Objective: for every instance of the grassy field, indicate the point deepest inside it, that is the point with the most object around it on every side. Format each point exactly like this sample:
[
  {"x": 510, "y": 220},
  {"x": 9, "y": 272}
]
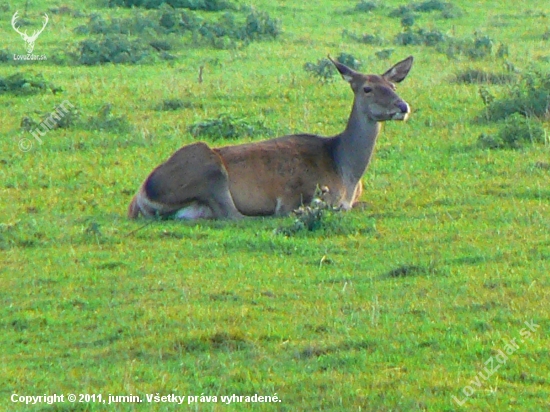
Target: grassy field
[{"x": 416, "y": 301}]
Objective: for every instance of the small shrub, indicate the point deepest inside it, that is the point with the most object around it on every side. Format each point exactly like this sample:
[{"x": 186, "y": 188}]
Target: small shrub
[
  {"x": 259, "y": 25},
  {"x": 486, "y": 96},
  {"x": 432, "y": 5},
  {"x": 5, "y": 56},
  {"x": 113, "y": 49},
  {"x": 384, "y": 54},
  {"x": 312, "y": 217},
  {"x": 207, "y": 5},
  {"x": 420, "y": 37},
  {"x": 483, "y": 46},
  {"x": 475, "y": 49},
  {"x": 106, "y": 121},
  {"x": 529, "y": 96},
  {"x": 407, "y": 20},
  {"x": 373, "y": 39},
  {"x": 452, "y": 13},
  {"x": 365, "y": 6},
  {"x": 228, "y": 33},
  {"x": 503, "y": 51},
  {"x": 447, "y": 10},
  {"x": 174, "y": 104},
  {"x": 24, "y": 84},
  {"x": 137, "y": 24},
  {"x": 230, "y": 30},
  {"x": 401, "y": 11},
  {"x": 474, "y": 76},
  {"x": 226, "y": 126},
  {"x": 411, "y": 270},
  {"x": 349, "y": 60},
  {"x": 520, "y": 130},
  {"x": 323, "y": 69},
  {"x": 71, "y": 117},
  {"x": 516, "y": 132}
]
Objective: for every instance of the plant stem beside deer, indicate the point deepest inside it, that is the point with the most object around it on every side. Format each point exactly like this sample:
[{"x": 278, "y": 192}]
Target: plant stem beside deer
[{"x": 276, "y": 176}]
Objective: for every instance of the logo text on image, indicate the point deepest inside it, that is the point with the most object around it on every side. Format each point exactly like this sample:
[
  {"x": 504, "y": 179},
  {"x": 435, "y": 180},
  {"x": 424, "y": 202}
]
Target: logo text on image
[{"x": 30, "y": 40}]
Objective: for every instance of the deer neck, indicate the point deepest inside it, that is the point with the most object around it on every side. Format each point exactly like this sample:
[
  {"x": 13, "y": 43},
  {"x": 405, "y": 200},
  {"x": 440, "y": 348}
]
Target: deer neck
[{"x": 355, "y": 145}]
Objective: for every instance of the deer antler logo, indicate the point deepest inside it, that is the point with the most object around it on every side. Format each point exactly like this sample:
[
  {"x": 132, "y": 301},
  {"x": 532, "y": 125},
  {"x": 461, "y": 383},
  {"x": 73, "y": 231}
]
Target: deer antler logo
[{"x": 29, "y": 39}]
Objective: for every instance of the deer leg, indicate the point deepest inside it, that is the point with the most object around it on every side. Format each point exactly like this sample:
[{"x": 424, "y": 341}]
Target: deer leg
[{"x": 193, "y": 183}]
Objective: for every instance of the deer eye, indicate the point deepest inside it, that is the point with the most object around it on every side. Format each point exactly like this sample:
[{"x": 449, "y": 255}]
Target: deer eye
[{"x": 367, "y": 89}]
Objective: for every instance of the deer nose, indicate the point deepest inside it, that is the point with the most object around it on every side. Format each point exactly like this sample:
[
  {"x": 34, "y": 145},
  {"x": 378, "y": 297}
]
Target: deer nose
[{"x": 404, "y": 107}]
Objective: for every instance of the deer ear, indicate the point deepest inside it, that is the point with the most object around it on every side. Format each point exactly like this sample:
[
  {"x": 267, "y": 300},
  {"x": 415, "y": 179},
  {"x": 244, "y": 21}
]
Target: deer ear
[
  {"x": 347, "y": 73},
  {"x": 398, "y": 72}
]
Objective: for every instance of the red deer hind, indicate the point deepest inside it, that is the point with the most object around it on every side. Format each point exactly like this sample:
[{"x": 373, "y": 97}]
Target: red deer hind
[{"x": 276, "y": 176}]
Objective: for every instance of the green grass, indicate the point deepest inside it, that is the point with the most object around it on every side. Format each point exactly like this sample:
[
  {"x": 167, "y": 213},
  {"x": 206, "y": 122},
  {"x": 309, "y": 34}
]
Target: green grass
[{"x": 395, "y": 309}]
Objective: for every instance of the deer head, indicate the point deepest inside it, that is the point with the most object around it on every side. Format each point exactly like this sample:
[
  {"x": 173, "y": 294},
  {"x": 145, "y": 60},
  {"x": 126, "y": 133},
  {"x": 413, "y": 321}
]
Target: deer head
[
  {"x": 32, "y": 38},
  {"x": 375, "y": 96}
]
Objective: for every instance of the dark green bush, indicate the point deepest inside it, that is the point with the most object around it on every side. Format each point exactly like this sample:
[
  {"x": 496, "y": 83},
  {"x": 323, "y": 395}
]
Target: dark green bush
[
  {"x": 175, "y": 104},
  {"x": 73, "y": 118},
  {"x": 373, "y": 39},
  {"x": 349, "y": 60},
  {"x": 324, "y": 69},
  {"x": 207, "y": 5},
  {"x": 431, "y": 5},
  {"x": 24, "y": 84},
  {"x": 365, "y": 6},
  {"x": 529, "y": 96},
  {"x": 113, "y": 49},
  {"x": 474, "y": 76},
  {"x": 447, "y": 10},
  {"x": 313, "y": 217},
  {"x": 229, "y": 31},
  {"x": 106, "y": 121},
  {"x": 401, "y": 11},
  {"x": 516, "y": 132},
  {"x": 384, "y": 54},
  {"x": 226, "y": 126},
  {"x": 420, "y": 37},
  {"x": 137, "y": 24}
]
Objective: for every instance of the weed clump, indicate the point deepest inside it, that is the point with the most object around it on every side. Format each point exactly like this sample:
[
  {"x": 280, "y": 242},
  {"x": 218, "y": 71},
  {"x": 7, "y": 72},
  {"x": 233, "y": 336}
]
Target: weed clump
[
  {"x": 529, "y": 96},
  {"x": 118, "y": 43},
  {"x": 206, "y": 5},
  {"x": 447, "y": 10},
  {"x": 325, "y": 71},
  {"x": 72, "y": 117},
  {"x": 411, "y": 270},
  {"x": 24, "y": 84},
  {"x": 420, "y": 37},
  {"x": 173, "y": 105},
  {"x": 474, "y": 76},
  {"x": 366, "y": 38},
  {"x": 526, "y": 102},
  {"x": 226, "y": 126},
  {"x": 228, "y": 32},
  {"x": 384, "y": 54},
  {"x": 516, "y": 132},
  {"x": 349, "y": 60},
  {"x": 476, "y": 48},
  {"x": 365, "y": 6},
  {"x": 312, "y": 217},
  {"x": 112, "y": 49},
  {"x": 106, "y": 121}
]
